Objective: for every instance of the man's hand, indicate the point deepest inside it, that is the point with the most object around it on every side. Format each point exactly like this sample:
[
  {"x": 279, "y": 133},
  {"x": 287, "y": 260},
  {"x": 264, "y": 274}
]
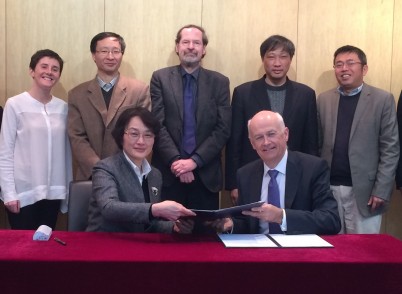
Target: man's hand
[
  {"x": 183, "y": 226},
  {"x": 187, "y": 177},
  {"x": 221, "y": 225},
  {"x": 375, "y": 202},
  {"x": 266, "y": 212},
  {"x": 234, "y": 195},
  {"x": 182, "y": 166}
]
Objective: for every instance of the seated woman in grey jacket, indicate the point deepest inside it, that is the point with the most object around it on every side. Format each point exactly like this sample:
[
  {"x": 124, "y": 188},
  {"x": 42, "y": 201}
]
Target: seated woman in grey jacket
[{"x": 126, "y": 187}]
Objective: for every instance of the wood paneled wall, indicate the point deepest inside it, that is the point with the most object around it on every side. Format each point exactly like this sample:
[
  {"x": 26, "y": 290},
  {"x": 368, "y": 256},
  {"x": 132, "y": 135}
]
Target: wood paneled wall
[{"x": 235, "y": 28}]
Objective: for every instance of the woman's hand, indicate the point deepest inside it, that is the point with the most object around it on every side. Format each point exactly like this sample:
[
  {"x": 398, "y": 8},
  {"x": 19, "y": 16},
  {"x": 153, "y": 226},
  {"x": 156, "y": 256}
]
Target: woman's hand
[{"x": 170, "y": 210}]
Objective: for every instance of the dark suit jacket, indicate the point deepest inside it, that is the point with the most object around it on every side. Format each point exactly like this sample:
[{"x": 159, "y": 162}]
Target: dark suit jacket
[
  {"x": 90, "y": 123},
  {"x": 299, "y": 114},
  {"x": 213, "y": 119},
  {"x": 309, "y": 204},
  {"x": 399, "y": 169},
  {"x": 117, "y": 203}
]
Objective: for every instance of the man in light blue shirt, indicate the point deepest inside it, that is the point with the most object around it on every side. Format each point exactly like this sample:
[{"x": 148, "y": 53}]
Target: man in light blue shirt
[{"x": 306, "y": 204}]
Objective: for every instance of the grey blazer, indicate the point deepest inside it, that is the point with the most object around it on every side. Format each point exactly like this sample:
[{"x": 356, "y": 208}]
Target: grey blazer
[
  {"x": 117, "y": 203},
  {"x": 373, "y": 142},
  {"x": 213, "y": 119}
]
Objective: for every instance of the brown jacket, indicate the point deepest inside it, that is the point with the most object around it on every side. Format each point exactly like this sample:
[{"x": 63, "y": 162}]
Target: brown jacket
[{"x": 90, "y": 124}]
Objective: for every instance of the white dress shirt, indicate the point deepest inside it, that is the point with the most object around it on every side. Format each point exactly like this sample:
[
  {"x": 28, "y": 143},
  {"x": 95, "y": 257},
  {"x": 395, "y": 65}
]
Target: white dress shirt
[{"x": 281, "y": 180}]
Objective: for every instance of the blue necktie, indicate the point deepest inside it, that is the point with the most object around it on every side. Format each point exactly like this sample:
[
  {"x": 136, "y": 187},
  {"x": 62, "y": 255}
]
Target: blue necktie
[
  {"x": 188, "y": 142},
  {"x": 273, "y": 198}
]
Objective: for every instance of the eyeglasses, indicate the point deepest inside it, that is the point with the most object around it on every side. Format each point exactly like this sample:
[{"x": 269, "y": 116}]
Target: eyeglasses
[
  {"x": 106, "y": 52},
  {"x": 135, "y": 136},
  {"x": 348, "y": 63}
]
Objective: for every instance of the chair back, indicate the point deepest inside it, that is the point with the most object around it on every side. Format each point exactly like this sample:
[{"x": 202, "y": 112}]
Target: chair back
[{"x": 79, "y": 195}]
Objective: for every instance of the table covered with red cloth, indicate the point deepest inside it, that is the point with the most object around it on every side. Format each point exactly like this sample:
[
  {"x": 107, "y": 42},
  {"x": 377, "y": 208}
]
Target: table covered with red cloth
[{"x": 159, "y": 263}]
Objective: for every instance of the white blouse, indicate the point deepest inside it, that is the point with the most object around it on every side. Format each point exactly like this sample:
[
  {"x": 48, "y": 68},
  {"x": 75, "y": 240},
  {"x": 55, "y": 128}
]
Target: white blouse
[{"x": 35, "y": 154}]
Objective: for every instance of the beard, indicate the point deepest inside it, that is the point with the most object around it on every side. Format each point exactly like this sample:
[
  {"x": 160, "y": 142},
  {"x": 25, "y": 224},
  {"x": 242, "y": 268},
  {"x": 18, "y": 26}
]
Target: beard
[{"x": 190, "y": 60}]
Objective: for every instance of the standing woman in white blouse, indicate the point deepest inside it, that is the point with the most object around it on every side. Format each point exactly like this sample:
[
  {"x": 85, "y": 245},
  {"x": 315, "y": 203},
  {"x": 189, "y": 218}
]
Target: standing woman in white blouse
[{"x": 35, "y": 155}]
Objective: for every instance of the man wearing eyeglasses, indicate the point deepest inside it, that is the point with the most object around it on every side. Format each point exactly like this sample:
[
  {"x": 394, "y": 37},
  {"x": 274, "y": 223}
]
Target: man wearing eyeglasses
[
  {"x": 94, "y": 106},
  {"x": 360, "y": 142}
]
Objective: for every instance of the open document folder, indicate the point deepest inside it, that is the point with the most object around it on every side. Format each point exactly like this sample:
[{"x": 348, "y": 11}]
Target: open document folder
[
  {"x": 224, "y": 212},
  {"x": 279, "y": 240}
]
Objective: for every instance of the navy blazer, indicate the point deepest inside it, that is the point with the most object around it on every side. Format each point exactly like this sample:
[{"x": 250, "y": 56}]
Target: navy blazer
[
  {"x": 118, "y": 203},
  {"x": 299, "y": 115},
  {"x": 309, "y": 203},
  {"x": 213, "y": 119}
]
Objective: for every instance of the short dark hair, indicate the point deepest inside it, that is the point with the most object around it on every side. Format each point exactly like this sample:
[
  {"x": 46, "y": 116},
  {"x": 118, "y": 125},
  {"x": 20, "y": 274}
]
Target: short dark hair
[
  {"x": 124, "y": 119},
  {"x": 351, "y": 49},
  {"x": 45, "y": 53},
  {"x": 277, "y": 41},
  {"x": 189, "y": 26},
  {"x": 105, "y": 35}
]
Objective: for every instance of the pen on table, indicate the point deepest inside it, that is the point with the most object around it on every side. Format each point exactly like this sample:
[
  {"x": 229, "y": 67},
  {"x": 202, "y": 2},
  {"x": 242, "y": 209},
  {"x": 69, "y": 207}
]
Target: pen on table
[{"x": 60, "y": 241}]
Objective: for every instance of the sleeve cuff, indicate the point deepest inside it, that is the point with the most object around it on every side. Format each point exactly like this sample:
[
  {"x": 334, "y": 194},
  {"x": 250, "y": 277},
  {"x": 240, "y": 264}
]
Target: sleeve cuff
[
  {"x": 150, "y": 215},
  {"x": 197, "y": 159},
  {"x": 284, "y": 225}
]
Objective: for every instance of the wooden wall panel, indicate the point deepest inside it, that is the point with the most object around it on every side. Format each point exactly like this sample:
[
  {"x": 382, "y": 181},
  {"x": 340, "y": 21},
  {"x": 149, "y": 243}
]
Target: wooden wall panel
[
  {"x": 63, "y": 26},
  {"x": 396, "y": 81},
  {"x": 236, "y": 29},
  {"x": 324, "y": 26},
  {"x": 149, "y": 28},
  {"x": 393, "y": 218}
]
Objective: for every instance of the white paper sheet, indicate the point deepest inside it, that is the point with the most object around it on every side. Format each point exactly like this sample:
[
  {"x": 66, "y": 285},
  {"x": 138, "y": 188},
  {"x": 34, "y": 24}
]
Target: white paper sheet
[
  {"x": 308, "y": 240},
  {"x": 285, "y": 241},
  {"x": 246, "y": 240}
]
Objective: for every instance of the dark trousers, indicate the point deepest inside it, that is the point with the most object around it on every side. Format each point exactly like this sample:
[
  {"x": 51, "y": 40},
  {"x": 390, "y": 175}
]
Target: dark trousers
[
  {"x": 193, "y": 196},
  {"x": 30, "y": 217}
]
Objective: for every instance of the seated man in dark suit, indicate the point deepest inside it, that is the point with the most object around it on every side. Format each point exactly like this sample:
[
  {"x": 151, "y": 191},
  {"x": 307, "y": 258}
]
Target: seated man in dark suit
[{"x": 304, "y": 203}]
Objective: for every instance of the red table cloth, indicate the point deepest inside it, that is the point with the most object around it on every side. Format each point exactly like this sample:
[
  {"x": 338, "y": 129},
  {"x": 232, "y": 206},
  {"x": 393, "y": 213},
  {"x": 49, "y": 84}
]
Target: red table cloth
[{"x": 158, "y": 263}]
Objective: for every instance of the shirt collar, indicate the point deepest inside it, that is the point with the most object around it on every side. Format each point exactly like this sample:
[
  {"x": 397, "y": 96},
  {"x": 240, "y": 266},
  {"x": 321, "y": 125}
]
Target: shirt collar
[
  {"x": 277, "y": 88},
  {"x": 107, "y": 86},
  {"x": 146, "y": 167},
  {"x": 280, "y": 167},
  {"x": 351, "y": 93},
  {"x": 195, "y": 73}
]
